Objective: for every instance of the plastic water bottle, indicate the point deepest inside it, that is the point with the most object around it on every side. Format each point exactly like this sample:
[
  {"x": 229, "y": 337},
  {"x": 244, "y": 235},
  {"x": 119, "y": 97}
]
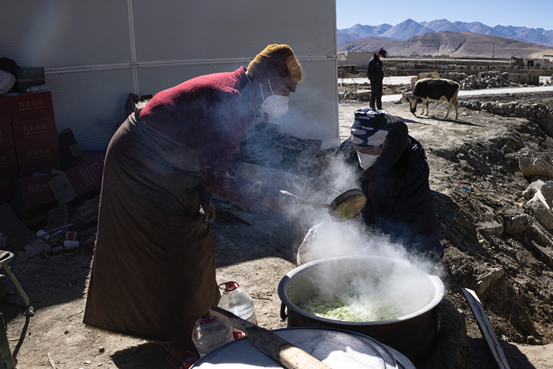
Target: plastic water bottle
[
  {"x": 239, "y": 303},
  {"x": 38, "y": 89},
  {"x": 210, "y": 333}
]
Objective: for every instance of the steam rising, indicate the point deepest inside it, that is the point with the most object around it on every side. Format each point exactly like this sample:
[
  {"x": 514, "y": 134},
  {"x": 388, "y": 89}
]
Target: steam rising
[
  {"x": 398, "y": 290},
  {"x": 328, "y": 238},
  {"x": 387, "y": 288}
]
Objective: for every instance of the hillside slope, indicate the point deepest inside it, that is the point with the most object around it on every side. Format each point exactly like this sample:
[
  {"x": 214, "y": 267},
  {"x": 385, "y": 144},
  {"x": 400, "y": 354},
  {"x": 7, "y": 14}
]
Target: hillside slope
[{"x": 453, "y": 44}]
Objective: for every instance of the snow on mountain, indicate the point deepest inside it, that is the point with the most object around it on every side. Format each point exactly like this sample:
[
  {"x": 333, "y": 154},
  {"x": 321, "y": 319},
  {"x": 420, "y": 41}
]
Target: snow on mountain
[
  {"x": 360, "y": 31},
  {"x": 525, "y": 34},
  {"x": 506, "y": 31},
  {"x": 549, "y": 36},
  {"x": 440, "y": 25},
  {"x": 478, "y": 27},
  {"x": 405, "y": 30}
]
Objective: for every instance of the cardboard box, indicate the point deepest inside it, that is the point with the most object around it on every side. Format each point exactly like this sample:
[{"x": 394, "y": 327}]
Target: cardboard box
[
  {"x": 39, "y": 155},
  {"x": 7, "y": 185},
  {"x": 5, "y": 115},
  {"x": 31, "y": 193},
  {"x": 6, "y": 135},
  {"x": 31, "y": 106},
  {"x": 28, "y": 77},
  {"x": 77, "y": 181},
  {"x": 34, "y": 190},
  {"x": 68, "y": 145},
  {"x": 35, "y": 171},
  {"x": 8, "y": 160},
  {"x": 35, "y": 130}
]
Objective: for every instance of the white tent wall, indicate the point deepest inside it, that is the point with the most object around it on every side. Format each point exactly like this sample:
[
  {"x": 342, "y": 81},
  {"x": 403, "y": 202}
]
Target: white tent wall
[{"x": 96, "y": 53}]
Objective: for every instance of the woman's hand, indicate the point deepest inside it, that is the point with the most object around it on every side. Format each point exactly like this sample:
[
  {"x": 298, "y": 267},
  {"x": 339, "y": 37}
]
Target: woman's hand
[{"x": 209, "y": 212}]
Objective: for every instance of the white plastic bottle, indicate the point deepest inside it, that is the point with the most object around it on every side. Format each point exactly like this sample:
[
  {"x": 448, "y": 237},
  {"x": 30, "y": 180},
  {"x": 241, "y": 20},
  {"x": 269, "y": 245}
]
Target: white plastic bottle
[
  {"x": 38, "y": 89},
  {"x": 210, "y": 333},
  {"x": 239, "y": 303}
]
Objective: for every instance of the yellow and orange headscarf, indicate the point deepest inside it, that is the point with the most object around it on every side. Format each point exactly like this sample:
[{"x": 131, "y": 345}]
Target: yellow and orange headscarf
[{"x": 275, "y": 60}]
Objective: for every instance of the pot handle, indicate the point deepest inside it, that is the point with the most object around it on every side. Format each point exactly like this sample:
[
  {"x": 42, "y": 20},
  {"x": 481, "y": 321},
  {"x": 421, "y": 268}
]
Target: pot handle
[{"x": 283, "y": 313}]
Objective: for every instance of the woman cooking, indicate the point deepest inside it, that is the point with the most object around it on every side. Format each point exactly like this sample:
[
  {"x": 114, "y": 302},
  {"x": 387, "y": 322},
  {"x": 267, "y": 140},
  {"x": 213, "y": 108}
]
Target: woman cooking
[
  {"x": 153, "y": 272},
  {"x": 393, "y": 172}
]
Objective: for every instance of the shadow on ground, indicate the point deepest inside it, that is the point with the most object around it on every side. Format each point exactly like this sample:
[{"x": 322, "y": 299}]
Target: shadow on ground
[
  {"x": 49, "y": 281},
  {"x": 455, "y": 121},
  {"x": 145, "y": 356},
  {"x": 483, "y": 359}
]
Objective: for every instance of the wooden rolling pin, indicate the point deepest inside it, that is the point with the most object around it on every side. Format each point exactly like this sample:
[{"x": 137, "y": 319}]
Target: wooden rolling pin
[{"x": 280, "y": 350}]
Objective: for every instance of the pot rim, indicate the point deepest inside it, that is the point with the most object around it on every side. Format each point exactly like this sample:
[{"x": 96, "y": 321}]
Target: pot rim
[{"x": 436, "y": 281}]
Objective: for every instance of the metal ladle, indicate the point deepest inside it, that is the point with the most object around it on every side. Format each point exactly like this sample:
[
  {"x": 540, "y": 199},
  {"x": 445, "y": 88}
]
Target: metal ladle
[{"x": 345, "y": 206}]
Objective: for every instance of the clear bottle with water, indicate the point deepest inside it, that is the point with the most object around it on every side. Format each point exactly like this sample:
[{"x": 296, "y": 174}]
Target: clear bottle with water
[
  {"x": 210, "y": 333},
  {"x": 239, "y": 303}
]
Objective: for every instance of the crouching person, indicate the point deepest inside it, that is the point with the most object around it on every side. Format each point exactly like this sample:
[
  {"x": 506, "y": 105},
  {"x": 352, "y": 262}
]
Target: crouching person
[{"x": 393, "y": 174}]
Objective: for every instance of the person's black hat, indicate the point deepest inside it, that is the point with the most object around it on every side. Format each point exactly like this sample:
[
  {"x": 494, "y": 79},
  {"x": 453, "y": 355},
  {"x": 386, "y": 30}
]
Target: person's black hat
[{"x": 383, "y": 52}]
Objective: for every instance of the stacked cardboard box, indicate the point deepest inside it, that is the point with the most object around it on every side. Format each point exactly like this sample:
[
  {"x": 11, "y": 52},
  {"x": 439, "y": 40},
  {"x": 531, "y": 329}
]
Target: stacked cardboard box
[
  {"x": 78, "y": 180},
  {"x": 34, "y": 132},
  {"x": 35, "y": 147},
  {"x": 31, "y": 193},
  {"x": 8, "y": 158}
]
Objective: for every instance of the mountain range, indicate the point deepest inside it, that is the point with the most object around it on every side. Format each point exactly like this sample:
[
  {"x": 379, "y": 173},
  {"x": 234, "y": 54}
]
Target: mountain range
[
  {"x": 409, "y": 29},
  {"x": 451, "y": 44}
]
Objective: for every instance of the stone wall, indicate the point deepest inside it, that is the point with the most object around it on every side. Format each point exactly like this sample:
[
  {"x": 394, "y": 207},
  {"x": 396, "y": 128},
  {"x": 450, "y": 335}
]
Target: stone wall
[
  {"x": 538, "y": 113},
  {"x": 469, "y": 67},
  {"x": 412, "y": 67},
  {"x": 496, "y": 79}
]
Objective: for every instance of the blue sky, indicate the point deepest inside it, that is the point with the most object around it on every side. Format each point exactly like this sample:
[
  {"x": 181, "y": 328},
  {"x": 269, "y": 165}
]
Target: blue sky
[{"x": 528, "y": 13}]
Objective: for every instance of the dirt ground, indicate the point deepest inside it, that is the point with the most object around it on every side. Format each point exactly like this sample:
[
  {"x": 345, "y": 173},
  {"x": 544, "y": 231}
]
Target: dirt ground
[{"x": 480, "y": 188}]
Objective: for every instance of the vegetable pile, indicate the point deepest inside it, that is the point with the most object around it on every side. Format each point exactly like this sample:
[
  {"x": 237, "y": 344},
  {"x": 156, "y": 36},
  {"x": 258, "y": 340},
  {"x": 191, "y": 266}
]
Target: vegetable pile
[{"x": 350, "y": 308}]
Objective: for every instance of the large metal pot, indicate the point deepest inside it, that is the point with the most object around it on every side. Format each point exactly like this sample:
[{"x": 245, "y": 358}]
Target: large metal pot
[{"x": 418, "y": 294}]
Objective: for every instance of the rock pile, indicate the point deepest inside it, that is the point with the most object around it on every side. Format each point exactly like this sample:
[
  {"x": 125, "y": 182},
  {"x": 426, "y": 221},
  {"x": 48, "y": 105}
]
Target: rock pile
[
  {"x": 349, "y": 95},
  {"x": 455, "y": 76},
  {"x": 534, "y": 215},
  {"x": 532, "y": 112},
  {"x": 362, "y": 91},
  {"x": 533, "y": 211},
  {"x": 499, "y": 221},
  {"x": 483, "y": 80},
  {"x": 496, "y": 79}
]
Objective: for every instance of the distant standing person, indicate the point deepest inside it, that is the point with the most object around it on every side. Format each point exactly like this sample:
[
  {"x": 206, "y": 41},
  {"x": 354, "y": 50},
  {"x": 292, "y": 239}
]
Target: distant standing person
[{"x": 376, "y": 75}]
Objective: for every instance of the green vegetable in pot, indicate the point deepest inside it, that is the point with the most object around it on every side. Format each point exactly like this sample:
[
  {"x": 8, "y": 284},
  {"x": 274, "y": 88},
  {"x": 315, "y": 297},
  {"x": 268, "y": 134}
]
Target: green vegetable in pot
[{"x": 349, "y": 308}]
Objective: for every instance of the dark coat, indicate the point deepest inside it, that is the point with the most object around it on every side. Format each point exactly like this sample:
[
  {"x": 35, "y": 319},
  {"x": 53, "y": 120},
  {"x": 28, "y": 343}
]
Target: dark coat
[
  {"x": 374, "y": 69},
  {"x": 153, "y": 272},
  {"x": 398, "y": 192}
]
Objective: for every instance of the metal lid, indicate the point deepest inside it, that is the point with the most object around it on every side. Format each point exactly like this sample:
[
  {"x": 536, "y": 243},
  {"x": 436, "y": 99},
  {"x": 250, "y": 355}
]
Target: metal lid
[{"x": 335, "y": 347}]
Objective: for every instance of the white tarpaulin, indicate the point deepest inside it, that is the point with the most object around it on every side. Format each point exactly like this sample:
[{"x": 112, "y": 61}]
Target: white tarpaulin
[{"x": 95, "y": 53}]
